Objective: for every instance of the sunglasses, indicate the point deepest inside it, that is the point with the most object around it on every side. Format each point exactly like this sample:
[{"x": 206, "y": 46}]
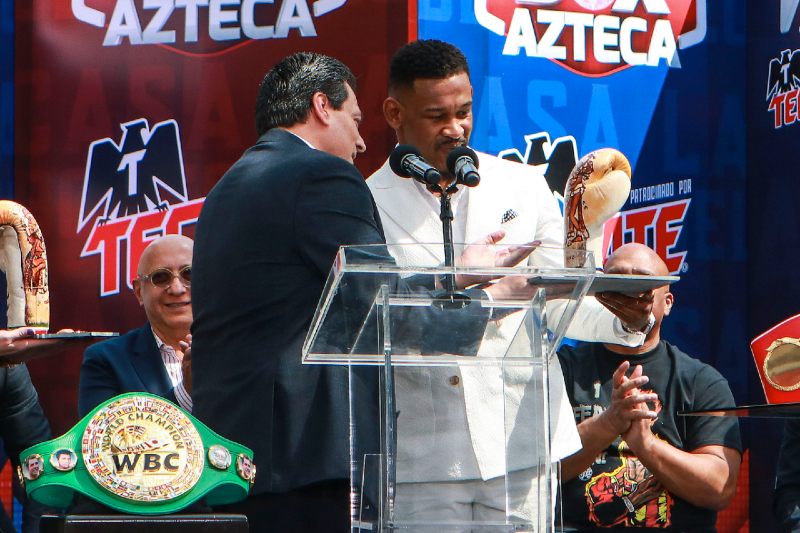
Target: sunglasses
[{"x": 162, "y": 277}]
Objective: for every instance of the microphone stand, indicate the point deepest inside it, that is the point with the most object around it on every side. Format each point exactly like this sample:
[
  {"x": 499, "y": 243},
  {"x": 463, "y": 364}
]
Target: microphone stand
[{"x": 452, "y": 298}]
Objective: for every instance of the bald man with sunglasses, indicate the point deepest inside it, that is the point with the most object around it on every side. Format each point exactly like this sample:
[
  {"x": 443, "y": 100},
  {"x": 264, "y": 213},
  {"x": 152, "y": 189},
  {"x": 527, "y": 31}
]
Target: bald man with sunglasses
[{"x": 152, "y": 358}]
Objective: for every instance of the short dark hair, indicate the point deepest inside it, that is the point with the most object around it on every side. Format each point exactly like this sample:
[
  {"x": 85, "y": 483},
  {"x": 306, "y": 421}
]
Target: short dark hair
[
  {"x": 425, "y": 59},
  {"x": 284, "y": 97}
]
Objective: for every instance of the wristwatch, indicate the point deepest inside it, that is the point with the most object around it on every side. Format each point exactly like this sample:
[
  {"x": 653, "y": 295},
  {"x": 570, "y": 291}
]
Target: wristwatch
[
  {"x": 141, "y": 454},
  {"x": 651, "y": 321}
]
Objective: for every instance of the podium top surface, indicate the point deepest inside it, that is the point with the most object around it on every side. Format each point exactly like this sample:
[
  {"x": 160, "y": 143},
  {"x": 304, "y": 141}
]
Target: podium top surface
[
  {"x": 410, "y": 283},
  {"x": 398, "y": 300},
  {"x": 601, "y": 282},
  {"x": 629, "y": 283}
]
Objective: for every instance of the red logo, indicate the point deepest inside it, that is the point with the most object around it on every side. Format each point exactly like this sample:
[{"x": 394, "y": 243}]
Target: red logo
[
  {"x": 134, "y": 191},
  {"x": 133, "y": 234},
  {"x": 657, "y": 226},
  {"x": 783, "y": 87},
  {"x": 596, "y": 37}
]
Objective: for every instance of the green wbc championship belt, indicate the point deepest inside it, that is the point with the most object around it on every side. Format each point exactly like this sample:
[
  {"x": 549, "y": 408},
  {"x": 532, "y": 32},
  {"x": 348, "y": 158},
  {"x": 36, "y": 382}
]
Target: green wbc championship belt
[{"x": 138, "y": 453}]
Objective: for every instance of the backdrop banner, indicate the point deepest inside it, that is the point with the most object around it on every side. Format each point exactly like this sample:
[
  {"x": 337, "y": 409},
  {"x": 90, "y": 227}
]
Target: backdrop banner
[{"x": 127, "y": 115}]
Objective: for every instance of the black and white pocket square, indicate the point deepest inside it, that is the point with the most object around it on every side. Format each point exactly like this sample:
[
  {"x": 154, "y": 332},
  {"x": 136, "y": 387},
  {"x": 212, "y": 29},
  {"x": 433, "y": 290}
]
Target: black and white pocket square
[{"x": 508, "y": 216}]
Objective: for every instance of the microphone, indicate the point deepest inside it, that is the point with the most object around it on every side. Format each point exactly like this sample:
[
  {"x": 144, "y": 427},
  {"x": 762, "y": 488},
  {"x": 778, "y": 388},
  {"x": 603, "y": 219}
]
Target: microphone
[
  {"x": 463, "y": 164},
  {"x": 407, "y": 162}
]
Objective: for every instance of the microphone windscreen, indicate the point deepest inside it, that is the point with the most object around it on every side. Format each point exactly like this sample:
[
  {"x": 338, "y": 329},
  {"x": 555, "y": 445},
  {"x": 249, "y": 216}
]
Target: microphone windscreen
[
  {"x": 458, "y": 152},
  {"x": 396, "y": 158}
]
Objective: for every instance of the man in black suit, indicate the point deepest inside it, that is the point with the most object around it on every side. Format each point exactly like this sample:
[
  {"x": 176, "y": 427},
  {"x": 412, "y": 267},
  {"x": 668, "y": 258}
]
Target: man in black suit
[
  {"x": 150, "y": 358},
  {"x": 264, "y": 244},
  {"x": 265, "y": 241}
]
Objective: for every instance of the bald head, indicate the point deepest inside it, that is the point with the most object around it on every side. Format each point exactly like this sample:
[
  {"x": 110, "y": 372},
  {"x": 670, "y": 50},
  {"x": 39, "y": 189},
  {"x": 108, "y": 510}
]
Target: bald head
[
  {"x": 635, "y": 258},
  {"x": 169, "y": 245},
  {"x": 167, "y": 304}
]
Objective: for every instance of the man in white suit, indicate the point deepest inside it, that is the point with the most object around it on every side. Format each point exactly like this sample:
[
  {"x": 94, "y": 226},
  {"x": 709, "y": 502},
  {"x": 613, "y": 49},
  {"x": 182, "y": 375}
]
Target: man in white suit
[{"x": 452, "y": 435}]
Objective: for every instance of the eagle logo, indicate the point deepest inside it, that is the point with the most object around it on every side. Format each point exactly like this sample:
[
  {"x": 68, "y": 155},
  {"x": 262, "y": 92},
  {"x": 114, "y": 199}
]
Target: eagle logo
[
  {"x": 784, "y": 73},
  {"x": 144, "y": 172},
  {"x": 556, "y": 158}
]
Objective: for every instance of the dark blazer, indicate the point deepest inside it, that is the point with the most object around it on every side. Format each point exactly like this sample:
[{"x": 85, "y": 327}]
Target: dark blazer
[
  {"x": 264, "y": 244},
  {"x": 129, "y": 363}
]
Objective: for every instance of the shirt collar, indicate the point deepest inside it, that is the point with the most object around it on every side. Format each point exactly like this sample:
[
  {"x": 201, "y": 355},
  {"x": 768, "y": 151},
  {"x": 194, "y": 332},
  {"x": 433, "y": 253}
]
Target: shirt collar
[
  {"x": 160, "y": 343},
  {"x": 302, "y": 139}
]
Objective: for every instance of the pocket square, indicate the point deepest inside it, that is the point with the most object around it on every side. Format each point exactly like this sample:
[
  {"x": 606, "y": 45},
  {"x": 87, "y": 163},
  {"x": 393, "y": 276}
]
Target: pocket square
[{"x": 508, "y": 216}]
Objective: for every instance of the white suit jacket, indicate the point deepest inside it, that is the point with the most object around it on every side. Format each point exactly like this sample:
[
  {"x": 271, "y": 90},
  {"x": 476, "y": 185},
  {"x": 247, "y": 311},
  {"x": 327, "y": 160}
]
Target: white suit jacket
[{"x": 439, "y": 407}]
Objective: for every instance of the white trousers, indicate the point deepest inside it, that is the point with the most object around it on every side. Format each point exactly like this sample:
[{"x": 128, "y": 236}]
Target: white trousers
[{"x": 465, "y": 502}]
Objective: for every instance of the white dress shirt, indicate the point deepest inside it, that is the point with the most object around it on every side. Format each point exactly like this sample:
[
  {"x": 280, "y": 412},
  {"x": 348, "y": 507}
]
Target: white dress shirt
[{"x": 172, "y": 362}]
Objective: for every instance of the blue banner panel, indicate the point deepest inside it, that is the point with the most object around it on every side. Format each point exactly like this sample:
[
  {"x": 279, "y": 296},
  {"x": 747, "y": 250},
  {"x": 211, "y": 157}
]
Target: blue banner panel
[
  {"x": 664, "y": 83},
  {"x": 773, "y": 219},
  {"x": 659, "y": 81}
]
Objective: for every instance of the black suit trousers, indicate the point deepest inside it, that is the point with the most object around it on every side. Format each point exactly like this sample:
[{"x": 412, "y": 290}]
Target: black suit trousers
[{"x": 321, "y": 507}]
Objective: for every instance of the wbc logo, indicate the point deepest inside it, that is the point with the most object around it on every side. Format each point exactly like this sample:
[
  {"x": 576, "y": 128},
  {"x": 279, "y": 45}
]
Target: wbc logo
[{"x": 596, "y": 37}]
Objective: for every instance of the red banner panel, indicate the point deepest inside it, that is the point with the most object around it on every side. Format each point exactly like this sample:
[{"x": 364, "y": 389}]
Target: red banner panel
[{"x": 127, "y": 115}]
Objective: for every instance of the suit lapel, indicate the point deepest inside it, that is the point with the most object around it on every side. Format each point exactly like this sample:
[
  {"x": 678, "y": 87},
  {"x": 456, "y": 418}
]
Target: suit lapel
[
  {"x": 148, "y": 364},
  {"x": 491, "y": 208},
  {"x": 489, "y": 203},
  {"x": 407, "y": 217},
  {"x": 279, "y": 135},
  {"x": 377, "y": 215},
  {"x": 482, "y": 208}
]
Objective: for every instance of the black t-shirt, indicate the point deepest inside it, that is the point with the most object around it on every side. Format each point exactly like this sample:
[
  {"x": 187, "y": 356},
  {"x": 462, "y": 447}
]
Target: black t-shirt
[{"x": 617, "y": 491}]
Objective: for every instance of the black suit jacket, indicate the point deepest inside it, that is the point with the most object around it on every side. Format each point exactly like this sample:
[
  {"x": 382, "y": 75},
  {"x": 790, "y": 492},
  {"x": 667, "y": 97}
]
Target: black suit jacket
[
  {"x": 264, "y": 244},
  {"x": 129, "y": 363}
]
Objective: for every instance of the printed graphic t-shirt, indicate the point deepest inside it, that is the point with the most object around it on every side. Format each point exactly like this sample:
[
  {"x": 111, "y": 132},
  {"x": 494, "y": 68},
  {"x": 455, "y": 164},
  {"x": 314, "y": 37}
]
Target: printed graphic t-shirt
[{"x": 617, "y": 491}]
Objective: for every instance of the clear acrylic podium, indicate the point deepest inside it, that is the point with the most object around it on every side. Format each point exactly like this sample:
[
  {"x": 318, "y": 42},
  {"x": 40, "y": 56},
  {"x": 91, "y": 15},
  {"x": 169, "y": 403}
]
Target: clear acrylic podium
[{"x": 449, "y": 402}]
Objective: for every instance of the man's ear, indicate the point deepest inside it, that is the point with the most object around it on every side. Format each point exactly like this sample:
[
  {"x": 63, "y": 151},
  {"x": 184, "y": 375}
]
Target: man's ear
[
  {"x": 137, "y": 290},
  {"x": 669, "y": 299},
  {"x": 321, "y": 107},
  {"x": 393, "y": 112}
]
